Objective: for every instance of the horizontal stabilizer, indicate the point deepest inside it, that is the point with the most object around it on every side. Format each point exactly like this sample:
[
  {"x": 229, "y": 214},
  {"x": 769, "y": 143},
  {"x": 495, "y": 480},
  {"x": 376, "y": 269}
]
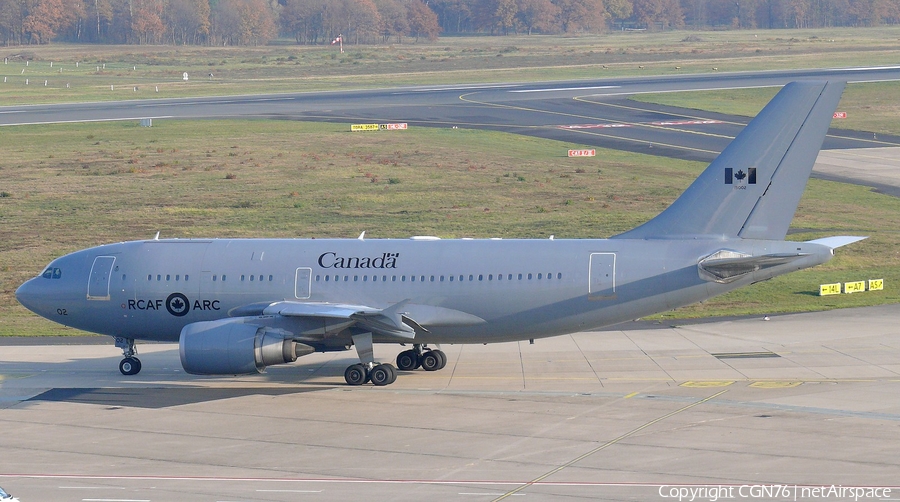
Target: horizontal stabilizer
[
  {"x": 837, "y": 241},
  {"x": 728, "y": 266}
]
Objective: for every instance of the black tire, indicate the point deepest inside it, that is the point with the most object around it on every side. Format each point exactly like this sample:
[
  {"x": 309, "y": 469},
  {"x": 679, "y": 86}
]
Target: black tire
[
  {"x": 440, "y": 353},
  {"x": 431, "y": 361},
  {"x": 408, "y": 360},
  {"x": 130, "y": 366},
  {"x": 383, "y": 374},
  {"x": 356, "y": 374},
  {"x": 393, "y": 374}
]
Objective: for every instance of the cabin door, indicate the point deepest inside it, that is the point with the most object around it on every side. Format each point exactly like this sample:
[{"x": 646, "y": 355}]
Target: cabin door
[
  {"x": 302, "y": 283},
  {"x": 101, "y": 273},
  {"x": 602, "y": 276}
]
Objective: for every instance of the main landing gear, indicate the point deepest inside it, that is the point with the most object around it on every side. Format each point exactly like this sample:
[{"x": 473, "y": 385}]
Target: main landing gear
[
  {"x": 380, "y": 374},
  {"x": 130, "y": 365},
  {"x": 367, "y": 370},
  {"x": 420, "y": 356}
]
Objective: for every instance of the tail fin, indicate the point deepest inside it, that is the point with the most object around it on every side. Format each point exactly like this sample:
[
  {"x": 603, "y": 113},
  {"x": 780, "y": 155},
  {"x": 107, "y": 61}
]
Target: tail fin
[{"x": 751, "y": 190}]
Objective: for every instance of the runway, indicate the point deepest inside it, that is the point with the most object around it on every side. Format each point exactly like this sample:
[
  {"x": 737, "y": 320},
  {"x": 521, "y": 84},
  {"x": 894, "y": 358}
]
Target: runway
[
  {"x": 594, "y": 112},
  {"x": 803, "y": 400}
]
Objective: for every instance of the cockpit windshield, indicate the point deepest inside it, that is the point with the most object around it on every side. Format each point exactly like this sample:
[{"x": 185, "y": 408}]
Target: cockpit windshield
[{"x": 52, "y": 273}]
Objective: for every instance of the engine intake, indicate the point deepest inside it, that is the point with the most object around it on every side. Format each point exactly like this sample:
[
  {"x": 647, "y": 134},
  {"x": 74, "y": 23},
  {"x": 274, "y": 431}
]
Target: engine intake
[{"x": 231, "y": 347}]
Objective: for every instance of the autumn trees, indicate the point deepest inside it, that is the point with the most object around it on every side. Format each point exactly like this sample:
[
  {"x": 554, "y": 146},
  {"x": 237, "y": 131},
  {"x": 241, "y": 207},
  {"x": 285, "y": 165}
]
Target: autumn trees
[{"x": 253, "y": 22}]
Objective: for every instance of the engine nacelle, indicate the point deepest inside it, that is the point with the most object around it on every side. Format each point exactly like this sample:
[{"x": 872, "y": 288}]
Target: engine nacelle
[{"x": 230, "y": 347}]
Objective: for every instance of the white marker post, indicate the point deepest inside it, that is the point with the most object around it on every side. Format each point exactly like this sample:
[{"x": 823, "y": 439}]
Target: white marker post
[{"x": 339, "y": 40}]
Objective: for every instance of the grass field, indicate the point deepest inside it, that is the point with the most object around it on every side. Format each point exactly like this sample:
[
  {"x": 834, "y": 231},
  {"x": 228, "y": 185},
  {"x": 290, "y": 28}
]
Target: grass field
[
  {"x": 127, "y": 72},
  {"x": 66, "y": 187}
]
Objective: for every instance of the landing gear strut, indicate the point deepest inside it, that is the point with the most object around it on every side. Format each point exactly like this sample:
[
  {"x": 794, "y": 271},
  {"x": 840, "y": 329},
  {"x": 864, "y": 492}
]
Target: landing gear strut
[
  {"x": 130, "y": 365},
  {"x": 421, "y": 356},
  {"x": 366, "y": 370}
]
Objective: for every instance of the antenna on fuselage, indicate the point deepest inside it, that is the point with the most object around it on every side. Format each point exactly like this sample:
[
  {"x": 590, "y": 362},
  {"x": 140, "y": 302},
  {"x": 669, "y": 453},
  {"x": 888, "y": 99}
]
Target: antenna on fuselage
[
  {"x": 362, "y": 236},
  {"x": 157, "y": 236}
]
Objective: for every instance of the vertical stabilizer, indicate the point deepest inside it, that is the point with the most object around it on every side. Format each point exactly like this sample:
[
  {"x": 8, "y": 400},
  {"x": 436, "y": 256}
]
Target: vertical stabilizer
[{"x": 751, "y": 190}]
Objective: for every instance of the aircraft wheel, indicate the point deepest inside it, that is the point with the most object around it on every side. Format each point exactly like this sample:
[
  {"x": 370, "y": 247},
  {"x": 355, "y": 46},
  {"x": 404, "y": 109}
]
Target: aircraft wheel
[
  {"x": 383, "y": 374},
  {"x": 440, "y": 353},
  {"x": 408, "y": 360},
  {"x": 355, "y": 374},
  {"x": 431, "y": 361},
  {"x": 130, "y": 366}
]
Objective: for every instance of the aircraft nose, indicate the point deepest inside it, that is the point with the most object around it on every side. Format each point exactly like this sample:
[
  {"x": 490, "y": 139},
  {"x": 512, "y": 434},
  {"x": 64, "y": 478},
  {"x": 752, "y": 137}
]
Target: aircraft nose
[{"x": 29, "y": 295}]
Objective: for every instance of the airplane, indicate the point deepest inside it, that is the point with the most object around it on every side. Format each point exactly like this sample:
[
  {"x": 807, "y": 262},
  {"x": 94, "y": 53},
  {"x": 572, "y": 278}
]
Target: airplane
[{"x": 237, "y": 306}]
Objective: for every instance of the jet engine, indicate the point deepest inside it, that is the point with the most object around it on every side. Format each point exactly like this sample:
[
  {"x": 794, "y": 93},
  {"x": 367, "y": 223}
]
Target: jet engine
[{"x": 232, "y": 347}]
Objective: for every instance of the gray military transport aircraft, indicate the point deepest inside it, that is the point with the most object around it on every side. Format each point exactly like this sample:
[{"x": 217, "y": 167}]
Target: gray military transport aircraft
[{"x": 238, "y": 305}]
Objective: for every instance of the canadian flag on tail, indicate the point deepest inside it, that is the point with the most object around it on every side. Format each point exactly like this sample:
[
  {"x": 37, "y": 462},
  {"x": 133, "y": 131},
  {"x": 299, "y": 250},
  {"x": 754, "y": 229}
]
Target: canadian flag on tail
[{"x": 339, "y": 40}]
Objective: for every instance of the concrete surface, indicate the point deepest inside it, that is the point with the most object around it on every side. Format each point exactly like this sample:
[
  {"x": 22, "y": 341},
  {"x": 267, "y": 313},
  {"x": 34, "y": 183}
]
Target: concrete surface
[
  {"x": 806, "y": 399},
  {"x": 875, "y": 167}
]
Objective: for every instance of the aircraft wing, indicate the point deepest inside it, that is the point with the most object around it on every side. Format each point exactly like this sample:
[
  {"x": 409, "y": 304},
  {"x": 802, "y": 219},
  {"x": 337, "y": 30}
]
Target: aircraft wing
[{"x": 400, "y": 320}]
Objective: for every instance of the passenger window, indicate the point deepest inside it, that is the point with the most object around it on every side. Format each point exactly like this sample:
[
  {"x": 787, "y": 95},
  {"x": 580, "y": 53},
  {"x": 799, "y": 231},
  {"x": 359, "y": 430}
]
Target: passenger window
[
  {"x": 318, "y": 277},
  {"x": 529, "y": 277},
  {"x": 178, "y": 277},
  {"x": 123, "y": 277},
  {"x": 214, "y": 278},
  {"x": 326, "y": 278},
  {"x": 490, "y": 277},
  {"x": 412, "y": 278},
  {"x": 158, "y": 277},
  {"x": 242, "y": 277},
  {"x": 403, "y": 278},
  {"x": 168, "y": 277},
  {"x": 559, "y": 276},
  {"x": 471, "y": 277},
  {"x": 270, "y": 278},
  {"x": 422, "y": 278},
  {"x": 520, "y": 277},
  {"x": 223, "y": 277},
  {"x": 252, "y": 277},
  {"x": 480, "y": 277},
  {"x": 509, "y": 277},
  {"x": 540, "y": 276},
  {"x": 460, "y": 278},
  {"x": 442, "y": 278},
  {"x": 185, "y": 277},
  {"x": 149, "y": 277},
  {"x": 365, "y": 278}
]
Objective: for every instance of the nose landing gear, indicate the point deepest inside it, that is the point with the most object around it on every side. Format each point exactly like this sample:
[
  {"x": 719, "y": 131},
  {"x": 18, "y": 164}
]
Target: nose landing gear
[{"x": 130, "y": 365}]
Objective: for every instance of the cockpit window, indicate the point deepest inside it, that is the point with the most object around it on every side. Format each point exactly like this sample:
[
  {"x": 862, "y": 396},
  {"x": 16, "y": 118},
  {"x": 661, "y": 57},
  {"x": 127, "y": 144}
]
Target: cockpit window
[{"x": 52, "y": 273}]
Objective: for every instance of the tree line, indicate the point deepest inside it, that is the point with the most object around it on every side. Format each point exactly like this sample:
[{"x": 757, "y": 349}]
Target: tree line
[{"x": 255, "y": 22}]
